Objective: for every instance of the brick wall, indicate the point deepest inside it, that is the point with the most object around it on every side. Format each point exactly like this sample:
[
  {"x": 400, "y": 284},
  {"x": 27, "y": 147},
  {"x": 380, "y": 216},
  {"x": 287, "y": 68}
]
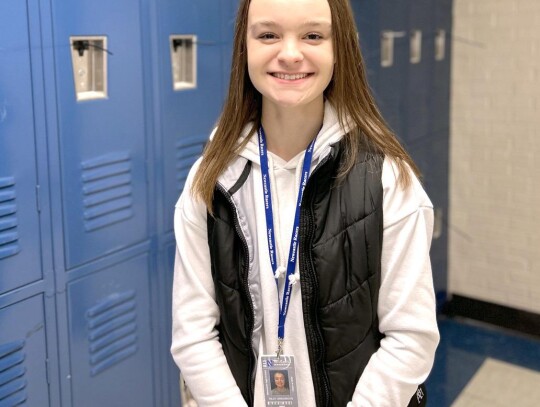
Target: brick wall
[{"x": 494, "y": 249}]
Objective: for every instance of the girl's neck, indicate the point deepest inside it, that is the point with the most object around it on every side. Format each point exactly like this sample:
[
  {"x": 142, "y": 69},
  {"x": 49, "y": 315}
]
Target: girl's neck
[{"x": 290, "y": 130}]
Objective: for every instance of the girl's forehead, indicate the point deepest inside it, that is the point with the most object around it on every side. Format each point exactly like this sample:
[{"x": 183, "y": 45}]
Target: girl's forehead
[
  {"x": 307, "y": 24},
  {"x": 283, "y": 11}
]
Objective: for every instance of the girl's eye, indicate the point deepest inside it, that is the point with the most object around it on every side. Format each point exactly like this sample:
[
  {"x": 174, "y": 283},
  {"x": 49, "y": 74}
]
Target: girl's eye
[
  {"x": 313, "y": 36},
  {"x": 267, "y": 36}
]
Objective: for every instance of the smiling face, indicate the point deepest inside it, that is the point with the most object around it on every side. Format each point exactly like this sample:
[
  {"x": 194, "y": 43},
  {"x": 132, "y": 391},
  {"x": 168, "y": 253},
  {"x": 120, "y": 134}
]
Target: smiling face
[
  {"x": 279, "y": 380},
  {"x": 289, "y": 50}
]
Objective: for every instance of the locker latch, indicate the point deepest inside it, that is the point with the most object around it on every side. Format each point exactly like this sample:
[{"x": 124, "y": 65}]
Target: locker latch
[
  {"x": 183, "y": 50},
  {"x": 89, "y": 59}
]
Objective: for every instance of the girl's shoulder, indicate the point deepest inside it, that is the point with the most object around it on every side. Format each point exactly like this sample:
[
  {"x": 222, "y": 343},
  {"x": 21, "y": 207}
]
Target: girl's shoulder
[
  {"x": 189, "y": 206},
  {"x": 398, "y": 201}
]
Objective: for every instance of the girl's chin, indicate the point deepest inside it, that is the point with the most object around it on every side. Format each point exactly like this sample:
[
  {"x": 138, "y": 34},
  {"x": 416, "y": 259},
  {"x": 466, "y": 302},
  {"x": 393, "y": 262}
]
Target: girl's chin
[{"x": 293, "y": 102}]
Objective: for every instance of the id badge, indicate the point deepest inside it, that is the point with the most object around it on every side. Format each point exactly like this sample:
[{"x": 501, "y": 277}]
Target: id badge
[{"x": 279, "y": 380}]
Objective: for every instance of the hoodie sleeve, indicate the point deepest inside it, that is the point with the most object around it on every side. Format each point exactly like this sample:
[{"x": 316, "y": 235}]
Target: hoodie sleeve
[
  {"x": 195, "y": 345},
  {"x": 406, "y": 310}
]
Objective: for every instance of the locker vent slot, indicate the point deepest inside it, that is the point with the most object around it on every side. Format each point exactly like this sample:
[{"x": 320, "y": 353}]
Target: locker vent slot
[
  {"x": 12, "y": 374},
  {"x": 188, "y": 150},
  {"x": 9, "y": 235},
  {"x": 107, "y": 189},
  {"x": 184, "y": 61},
  {"x": 112, "y": 328}
]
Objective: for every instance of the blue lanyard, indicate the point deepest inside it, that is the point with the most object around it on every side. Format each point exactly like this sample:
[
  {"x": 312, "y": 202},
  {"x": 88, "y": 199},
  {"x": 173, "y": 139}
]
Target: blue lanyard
[{"x": 293, "y": 249}]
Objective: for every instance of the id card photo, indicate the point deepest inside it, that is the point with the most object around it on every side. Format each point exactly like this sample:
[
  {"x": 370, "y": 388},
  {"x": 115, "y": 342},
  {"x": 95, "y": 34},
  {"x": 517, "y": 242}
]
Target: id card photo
[{"x": 279, "y": 381}]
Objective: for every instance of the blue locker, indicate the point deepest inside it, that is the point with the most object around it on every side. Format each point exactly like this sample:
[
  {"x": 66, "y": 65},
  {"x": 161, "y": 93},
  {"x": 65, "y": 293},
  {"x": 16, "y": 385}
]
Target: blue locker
[
  {"x": 172, "y": 370},
  {"x": 103, "y": 234},
  {"x": 391, "y": 83},
  {"x": 184, "y": 120},
  {"x": 23, "y": 356},
  {"x": 110, "y": 337},
  {"x": 19, "y": 222},
  {"x": 414, "y": 97},
  {"x": 102, "y": 142},
  {"x": 187, "y": 116},
  {"x": 366, "y": 15},
  {"x": 228, "y": 19},
  {"x": 440, "y": 130},
  {"x": 418, "y": 84}
]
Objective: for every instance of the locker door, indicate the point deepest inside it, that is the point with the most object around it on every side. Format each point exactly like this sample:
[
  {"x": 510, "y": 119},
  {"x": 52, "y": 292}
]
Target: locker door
[
  {"x": 366, "y": 15},
  {"x": 23, "y": 372},
  {"x": 172, "y": 370},
  {"x": 418, "y": 83},
  {"x": 102, "y": 141},
  {"x": 188, "y": 115},
  {"x": 440, "y": 130},
  {"x": 19, "y": 224},
  {"x": 228, "y": 19},
  {"x": 417, "y": 113},
  {"x": 392, "y": 79},
  {"x": 110, "y": 337},
  {"x": 186, "y": 118}
]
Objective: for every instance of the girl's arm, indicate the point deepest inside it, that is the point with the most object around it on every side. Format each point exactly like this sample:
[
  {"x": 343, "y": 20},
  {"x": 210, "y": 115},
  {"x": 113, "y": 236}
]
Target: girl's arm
[
  {"x": 195, "y": 345},
  {"x": 406, "y": 310}
]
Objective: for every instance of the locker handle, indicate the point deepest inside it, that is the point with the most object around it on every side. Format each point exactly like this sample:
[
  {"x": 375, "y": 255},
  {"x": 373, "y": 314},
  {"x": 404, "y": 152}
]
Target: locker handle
[
  {"x": 89, "y": 59},
  {"x": 83, "y": 45}
]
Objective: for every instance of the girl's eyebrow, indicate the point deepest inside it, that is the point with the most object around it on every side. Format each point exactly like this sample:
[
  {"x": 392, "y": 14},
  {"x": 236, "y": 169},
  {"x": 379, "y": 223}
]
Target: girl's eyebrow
[
  {"x": 263, "y": 24},
  {"x": 317, "y": 23},
  {"x": 307, "y": 24}
]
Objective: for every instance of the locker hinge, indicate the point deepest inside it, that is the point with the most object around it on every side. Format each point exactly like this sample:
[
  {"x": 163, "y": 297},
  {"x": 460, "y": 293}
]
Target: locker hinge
[
  {"x": 47, "y": 371},
  {"x": 38, "y": 199}
]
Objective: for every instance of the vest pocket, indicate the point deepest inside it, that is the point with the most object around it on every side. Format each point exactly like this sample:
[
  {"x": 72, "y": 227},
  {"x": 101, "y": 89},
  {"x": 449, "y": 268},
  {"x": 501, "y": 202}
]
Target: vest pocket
[
  {"x": 225, "y": 252},
  {"x": 345, "y": 323},
  {"x": 232, "y": 316}
]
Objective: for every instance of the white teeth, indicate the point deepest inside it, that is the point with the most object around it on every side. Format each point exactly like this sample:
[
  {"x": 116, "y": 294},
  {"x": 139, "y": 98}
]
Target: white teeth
[{"x": 288, "y": 77}]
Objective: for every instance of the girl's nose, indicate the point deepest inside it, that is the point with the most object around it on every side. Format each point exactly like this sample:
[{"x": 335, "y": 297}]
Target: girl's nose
[{"x": 290, "y": 52}]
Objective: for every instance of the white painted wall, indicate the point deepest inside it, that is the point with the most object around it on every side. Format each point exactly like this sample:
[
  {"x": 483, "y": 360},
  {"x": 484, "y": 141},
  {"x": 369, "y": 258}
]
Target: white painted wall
[{"x": 494, "y": 252}]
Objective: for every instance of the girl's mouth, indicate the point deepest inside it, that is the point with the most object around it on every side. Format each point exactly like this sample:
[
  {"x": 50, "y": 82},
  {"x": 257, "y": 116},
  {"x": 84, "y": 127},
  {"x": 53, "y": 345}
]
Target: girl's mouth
[{"x": 290, "y": 77}]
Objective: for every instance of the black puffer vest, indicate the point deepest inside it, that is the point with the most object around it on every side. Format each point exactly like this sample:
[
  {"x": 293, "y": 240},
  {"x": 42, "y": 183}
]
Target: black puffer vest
[{"x": 341, "y": 227}]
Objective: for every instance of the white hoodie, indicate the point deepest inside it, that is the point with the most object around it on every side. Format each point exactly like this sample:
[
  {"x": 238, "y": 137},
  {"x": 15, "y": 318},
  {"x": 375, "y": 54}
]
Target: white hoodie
[{"x": 406, "y": 299}]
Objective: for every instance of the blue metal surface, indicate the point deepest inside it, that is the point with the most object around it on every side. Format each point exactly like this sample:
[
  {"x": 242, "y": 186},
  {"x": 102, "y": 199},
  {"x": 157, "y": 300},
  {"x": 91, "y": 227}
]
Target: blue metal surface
[
  {"x": 187, "y": 116},
  {"x": 172, "y": 370},
  {"x": 417, "y": 110},
  {"x": 102, "y": 142},
  {"x": 414, "y": 98},
  {"x": 366, "y": 13},
  {"x": 19, "y": 223},
  {"x": 110, "y": 335},
  {"x": 439, "y": 100},
  {"x": 434, "y": 166},
  {"x": 100, "y": 171},
  {"x": 23, "y": 374},
  {"x": 184, "y": 120},
  {"x": 228, "y": 18},
  {"x": 392, "y": 81},
  {"x": 26, "y": 276}
]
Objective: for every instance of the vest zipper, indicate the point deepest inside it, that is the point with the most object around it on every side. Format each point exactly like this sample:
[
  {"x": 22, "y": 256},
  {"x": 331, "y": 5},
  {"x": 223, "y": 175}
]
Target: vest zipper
[
  {"x": 245, "y": 285},
  {"x": 322, "y": 396}
]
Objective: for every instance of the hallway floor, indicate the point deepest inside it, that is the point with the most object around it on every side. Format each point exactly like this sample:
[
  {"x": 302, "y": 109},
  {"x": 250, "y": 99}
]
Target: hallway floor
[{"x": 478, "y": 365}]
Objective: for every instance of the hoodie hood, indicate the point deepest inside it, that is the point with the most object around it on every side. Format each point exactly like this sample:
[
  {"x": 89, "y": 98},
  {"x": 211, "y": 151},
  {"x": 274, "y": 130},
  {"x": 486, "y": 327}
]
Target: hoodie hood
[{"x": 331, "y": 132}]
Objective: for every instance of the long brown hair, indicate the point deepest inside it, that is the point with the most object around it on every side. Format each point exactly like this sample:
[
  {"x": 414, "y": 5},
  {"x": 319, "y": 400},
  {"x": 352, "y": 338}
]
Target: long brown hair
[{"x": 348, "y": 92}]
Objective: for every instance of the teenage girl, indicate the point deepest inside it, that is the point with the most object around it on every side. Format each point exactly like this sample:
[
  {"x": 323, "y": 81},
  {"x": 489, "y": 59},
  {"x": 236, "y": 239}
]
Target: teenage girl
[{"x": 303, "y": 233}]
